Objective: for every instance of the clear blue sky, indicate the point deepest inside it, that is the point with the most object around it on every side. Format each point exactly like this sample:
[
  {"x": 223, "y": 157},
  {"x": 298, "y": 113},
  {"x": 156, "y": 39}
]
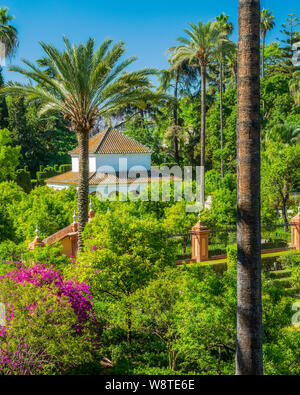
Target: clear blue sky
[{"x": 147, "y": 27}]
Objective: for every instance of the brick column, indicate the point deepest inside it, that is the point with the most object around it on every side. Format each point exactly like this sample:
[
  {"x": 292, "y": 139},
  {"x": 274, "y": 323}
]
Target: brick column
[
  {"x": 37, "y": 242},
  {"x": 295, "y": 230},
  {"x": 200, "y": 242}
]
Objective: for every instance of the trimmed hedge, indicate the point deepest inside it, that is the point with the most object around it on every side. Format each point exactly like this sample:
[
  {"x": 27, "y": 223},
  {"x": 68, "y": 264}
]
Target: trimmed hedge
[
  {"x": 51, "y": 171},
  {"x": 23, "y": 179}
]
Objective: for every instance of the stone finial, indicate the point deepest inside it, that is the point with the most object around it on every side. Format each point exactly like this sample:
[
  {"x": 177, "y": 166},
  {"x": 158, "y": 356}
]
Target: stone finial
[
  {"x": 91, "y": 205},
  {"x": 199, "y": 215},
  {"x": 37, "y": 231},
  {"x": 74, "y": 217}
]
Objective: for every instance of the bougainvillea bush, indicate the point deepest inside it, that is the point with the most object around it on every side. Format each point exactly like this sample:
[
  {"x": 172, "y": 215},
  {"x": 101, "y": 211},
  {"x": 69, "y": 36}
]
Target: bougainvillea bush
[{"x": 50, "y": 326}]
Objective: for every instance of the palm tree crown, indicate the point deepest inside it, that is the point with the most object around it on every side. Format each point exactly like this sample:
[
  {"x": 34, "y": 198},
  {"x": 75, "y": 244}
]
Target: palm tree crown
[
  {"x": 87, "y": 84},
  {"x": 84, "y": 84},
  {"x": 8, "y": 33},
  {"x": 223, "y": 19},
  {"x": 285, "y": 133},
  {"x": 201, "y": 44},
  {"x": 267, "y": 22}
]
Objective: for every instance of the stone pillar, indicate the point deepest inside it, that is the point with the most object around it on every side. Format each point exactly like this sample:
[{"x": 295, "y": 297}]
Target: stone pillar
[
  {"x": 91, "y": 215},
  {"x": 200, "y": 242},
  {"x": 37, "y": 242},
  {"x": 295, "y": 231}
]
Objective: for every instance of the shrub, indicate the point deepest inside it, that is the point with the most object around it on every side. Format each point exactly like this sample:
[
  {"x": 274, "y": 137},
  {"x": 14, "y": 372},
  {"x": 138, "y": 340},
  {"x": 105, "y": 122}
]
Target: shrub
[
  {"x": 232, "y": 257},
  {"x": 290, "y": 259},
  {"x": 50, "y": 322},
  {"x": 23, "y": 179},
  {"x": 10, "y": 252},
  {"x": 296, "y": 276},
  {"x": 48, "y": 256}
]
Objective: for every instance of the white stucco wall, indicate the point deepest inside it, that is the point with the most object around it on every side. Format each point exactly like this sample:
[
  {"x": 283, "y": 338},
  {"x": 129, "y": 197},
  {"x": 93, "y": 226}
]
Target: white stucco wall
[
  {"x": 75, "y": 163},
  {"x": 132, "y": 160},
  {"x": 58, "y": 187},
  {"x": 98, "y": 161}
]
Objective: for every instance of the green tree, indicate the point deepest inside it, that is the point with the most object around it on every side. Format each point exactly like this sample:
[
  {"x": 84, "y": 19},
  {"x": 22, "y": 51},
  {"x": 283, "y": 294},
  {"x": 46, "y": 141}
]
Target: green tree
[
  {"x": 155, "y": 310},
  {"x": 3, "y": 106},
  {"x": 49, "y": 209},
  {"x": 10, "y": 193},
  {"x": 9, "y": 156},
  {"x": 280, "y": 175},
  {"x": 291, "y": 36},
  {"x": 87, "y": 84},
  {"x": 122, "y": 253},
  {"x": 179, "y": 222}
]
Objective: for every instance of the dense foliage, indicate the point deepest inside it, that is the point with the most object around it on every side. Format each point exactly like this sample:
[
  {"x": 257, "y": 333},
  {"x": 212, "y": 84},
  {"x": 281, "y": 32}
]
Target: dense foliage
[
  {"x": 50, "y": 324},
  {"x": 156, "y": 317}
]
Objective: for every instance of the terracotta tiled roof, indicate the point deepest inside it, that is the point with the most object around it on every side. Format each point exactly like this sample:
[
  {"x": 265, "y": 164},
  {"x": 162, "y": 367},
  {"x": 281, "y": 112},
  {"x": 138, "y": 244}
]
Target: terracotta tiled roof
[
  {"x": 104, "y": 178},
  {"x": 70, "y": 178},
  {"x": 112, "y": 141},
  {"x": 60, "y": 235}
]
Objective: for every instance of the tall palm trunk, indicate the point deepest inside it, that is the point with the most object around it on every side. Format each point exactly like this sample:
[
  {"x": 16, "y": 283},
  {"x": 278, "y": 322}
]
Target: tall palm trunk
[
  {"x": 175, "y": 118},
  {"x": 203, "y": 123},
  {"x": 221, "y": 117},
  {"x": 249, "y": 360},
  {"x": 83, "y": 192},
  {"x": 263, "y": 56},
  {"x": 142, "y": 118}
]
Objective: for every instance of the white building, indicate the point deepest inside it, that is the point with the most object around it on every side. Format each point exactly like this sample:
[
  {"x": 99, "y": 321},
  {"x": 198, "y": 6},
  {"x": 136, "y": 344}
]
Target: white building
[{"x": 117, "y": 164}]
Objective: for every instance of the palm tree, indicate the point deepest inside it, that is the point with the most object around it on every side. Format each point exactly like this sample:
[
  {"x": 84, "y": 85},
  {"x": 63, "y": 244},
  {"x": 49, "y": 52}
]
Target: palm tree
[
  {"x": 166, "y": 76},
  {"x": 266, "y": 24},
  {"x": 199, "y": 47},
  {"x": 249, "y": 359},
  {"x": 285, "y": 133},
  {"x": 87, "y": 84},
  {"x": 9, "y": 43},
  {"x": 8, "y": 33},
  {"x": 231, "y": 62},
  {"x": 178, "y": 74},
  {"x": 223, "y": 48},
  {"x": 222, "y": 20}
]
